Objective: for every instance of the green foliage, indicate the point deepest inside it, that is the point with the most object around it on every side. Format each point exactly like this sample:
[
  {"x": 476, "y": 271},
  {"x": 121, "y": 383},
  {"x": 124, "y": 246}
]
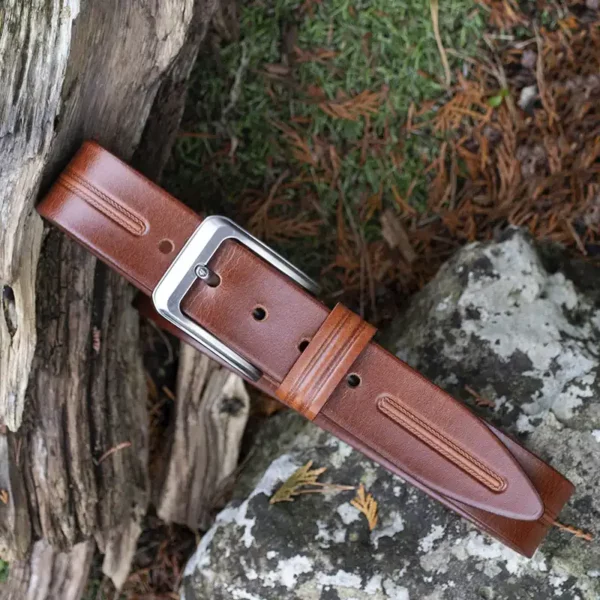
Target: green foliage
[
  {"x": 496, "y": 101},
  {"x": 382, "y": 46},
  {"x": 4, "y": 570}
]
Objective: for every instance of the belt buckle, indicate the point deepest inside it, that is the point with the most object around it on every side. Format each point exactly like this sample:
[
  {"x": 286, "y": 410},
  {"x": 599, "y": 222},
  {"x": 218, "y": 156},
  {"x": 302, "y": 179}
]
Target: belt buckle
[{"x": 192, "y": 263}]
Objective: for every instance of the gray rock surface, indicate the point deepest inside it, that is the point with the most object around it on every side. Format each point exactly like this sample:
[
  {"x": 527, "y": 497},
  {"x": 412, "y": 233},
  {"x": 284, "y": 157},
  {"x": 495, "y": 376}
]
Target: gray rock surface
[{"x": 519, "y": 326}]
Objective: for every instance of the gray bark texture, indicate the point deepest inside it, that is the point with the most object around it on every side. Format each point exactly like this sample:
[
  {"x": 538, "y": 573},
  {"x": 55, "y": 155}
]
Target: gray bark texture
[
  {"x": 212, "y": 412},
  {"x": 72, "y": 385}
]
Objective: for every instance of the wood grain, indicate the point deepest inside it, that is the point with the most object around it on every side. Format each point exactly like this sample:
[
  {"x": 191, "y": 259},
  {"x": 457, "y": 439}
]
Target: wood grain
[
  {"x": 71, "y": 378},
  {"x": 212, "y": 408}
]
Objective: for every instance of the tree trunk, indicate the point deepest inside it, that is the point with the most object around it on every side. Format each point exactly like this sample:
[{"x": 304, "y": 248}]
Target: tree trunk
[
  {"x": 73, "y": 425},
  {"x": 212, "y": 411}
]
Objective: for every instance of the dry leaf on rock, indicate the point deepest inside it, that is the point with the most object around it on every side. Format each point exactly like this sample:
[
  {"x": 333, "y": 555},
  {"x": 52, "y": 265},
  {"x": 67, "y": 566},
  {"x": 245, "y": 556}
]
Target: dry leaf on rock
[
  {"x": 300, "y": 478},
  {"x": 367, "y": 506},
  {"x": 304, "y": 481}
]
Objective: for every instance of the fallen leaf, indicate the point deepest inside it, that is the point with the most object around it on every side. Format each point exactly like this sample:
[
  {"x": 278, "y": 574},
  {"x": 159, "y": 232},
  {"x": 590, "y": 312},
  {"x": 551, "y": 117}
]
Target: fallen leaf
[
  {"x": 300, "y": 482},
  {"x": 367, "y": 506},
  {"x": 301, "y": 477},
  {"x": 277, "y": 69},
  {"x": 395, "y": 235},
  {"x": 495, "y": 101}
]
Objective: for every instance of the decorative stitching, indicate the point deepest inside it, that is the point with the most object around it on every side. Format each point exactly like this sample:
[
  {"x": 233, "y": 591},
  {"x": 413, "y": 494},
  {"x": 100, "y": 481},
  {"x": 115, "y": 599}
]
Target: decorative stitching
[
  {"x": 122, "y": 216},
  {"x": 114, "y": 203},
  {"x": 441, "y": 443},
  {"x": 105, "y": 210}
]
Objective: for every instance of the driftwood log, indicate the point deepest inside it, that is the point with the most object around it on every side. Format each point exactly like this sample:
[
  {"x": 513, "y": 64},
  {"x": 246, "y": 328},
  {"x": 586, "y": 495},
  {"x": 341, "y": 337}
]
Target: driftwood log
[{"x": 73, "y": 425}]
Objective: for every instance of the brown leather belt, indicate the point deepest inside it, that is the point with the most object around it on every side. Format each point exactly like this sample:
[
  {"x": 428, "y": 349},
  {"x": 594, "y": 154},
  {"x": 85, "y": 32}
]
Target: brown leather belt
[{"x": 228, "y": 295}]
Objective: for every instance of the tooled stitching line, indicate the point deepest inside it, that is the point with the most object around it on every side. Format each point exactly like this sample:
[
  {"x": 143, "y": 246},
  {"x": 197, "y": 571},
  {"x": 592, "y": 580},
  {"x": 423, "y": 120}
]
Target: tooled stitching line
[
  {"x": 500, "y": 482},
  {"x": 116, "y": 205},
  {"x": 141, "y": 226},
  {"x": 291, "y": 396},
  {"x": 105, "y": 210}
]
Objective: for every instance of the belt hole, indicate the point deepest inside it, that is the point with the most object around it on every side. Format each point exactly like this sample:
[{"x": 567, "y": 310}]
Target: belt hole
[
  {"x": 166, "y": 246},
  {"x": 353, "y": 380},
  {"x": 259, "y": 313},
  {"x": 303, "y": 345}
]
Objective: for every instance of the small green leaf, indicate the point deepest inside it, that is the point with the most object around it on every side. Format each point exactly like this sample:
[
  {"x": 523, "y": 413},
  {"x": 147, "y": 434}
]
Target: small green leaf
[
  {"x": 4, "y": 569},
  {"x": 495, "y": 101}
]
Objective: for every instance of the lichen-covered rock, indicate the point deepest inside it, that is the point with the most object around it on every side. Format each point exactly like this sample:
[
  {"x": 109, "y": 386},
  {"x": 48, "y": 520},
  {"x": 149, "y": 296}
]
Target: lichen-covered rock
[{"x": 521, "y": 328}]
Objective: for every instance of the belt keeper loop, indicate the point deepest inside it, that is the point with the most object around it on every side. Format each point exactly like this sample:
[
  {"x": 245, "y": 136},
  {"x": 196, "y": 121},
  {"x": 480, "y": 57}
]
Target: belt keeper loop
[{"x": 325, "y": 361}]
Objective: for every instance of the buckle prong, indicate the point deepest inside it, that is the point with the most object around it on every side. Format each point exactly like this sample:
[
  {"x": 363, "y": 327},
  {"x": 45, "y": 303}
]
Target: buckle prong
[
  {"x": 207, "y": 275},
  {"x": 193, "y": 262}
]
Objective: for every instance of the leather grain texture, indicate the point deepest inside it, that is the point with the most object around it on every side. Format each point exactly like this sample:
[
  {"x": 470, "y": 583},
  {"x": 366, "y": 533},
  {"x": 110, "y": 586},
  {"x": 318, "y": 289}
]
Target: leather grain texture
[{"x": 395, "y": 415}]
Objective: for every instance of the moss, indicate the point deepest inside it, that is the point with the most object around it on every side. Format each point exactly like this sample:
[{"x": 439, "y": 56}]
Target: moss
[{"x": 383, "y": 46}]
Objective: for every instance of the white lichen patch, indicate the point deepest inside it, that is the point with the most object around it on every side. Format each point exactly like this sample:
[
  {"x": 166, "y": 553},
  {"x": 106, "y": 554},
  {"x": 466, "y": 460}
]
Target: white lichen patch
[
  {"x": 394, "y": 524},
  {"x": 557, "y": 581},
  {"x": 479, "y": 546},
  {"x": 348, "y": 513},
  {"x": 523, "y": 424},
  {"x": 279, "y": 470},
  {"x": 594, "y": 573},
  {"x": 444, "y": 305},
  {"x": 596, "y": 435},
  {"x": 340, "y": 580},
  {"x": 287, "y": 571},
  {"x": 343, "y": 451},
  {"x": 426, "y": 544},
  {"x": 373, "y": 585},
  {"x": 487, "y": 555},
  {"x": 326, "y": 535},
  {"x": 521, "y": 308},
  {"x": 240, "y": 594},
  {"x": 249, "y": 572},
  {"x": 369, "y": 477},
  {"x": 395, "y": 591}
]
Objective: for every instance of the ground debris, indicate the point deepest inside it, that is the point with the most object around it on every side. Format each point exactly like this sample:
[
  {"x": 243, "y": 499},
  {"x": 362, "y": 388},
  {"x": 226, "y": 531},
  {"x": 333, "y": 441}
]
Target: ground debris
[{"x": 536, "y": 168}]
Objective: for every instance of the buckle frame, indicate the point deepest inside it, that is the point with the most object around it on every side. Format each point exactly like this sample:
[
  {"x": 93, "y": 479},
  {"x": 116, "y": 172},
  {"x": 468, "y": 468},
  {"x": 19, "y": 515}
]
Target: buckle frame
[{"x": 185, "y": 269}]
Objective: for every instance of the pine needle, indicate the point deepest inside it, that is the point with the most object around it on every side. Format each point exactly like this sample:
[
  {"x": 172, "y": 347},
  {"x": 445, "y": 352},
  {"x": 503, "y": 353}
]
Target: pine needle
[
  {"x": 367, "y": 506},
  {"x": 362, "y": 105},
  {"x": 435, "y": 12},
  {"x": 302, "y": 477},
  {"x": 580, "y": 533},
  {"x": 480, "y": 400}
]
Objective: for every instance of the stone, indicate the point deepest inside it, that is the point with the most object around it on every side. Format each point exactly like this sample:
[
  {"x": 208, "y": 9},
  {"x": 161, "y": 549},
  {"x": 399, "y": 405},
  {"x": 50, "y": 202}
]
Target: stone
[{"x": 517, "y": 324}]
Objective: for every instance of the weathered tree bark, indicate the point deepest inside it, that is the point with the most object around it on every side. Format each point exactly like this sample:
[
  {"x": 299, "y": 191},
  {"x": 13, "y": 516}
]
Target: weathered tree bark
[
  {"x": 50, "y": 574},
  {"x": 212, "y": 409},
  {"x": 71, "y": 378}
]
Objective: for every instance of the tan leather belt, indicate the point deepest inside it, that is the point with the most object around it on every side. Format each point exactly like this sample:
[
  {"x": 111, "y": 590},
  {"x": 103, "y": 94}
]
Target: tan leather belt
[{"x": 229, "y": 295}]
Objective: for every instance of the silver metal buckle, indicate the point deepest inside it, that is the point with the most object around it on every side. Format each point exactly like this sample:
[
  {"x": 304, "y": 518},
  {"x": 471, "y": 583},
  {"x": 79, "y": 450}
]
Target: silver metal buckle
[{"x": 192, "y": 263}]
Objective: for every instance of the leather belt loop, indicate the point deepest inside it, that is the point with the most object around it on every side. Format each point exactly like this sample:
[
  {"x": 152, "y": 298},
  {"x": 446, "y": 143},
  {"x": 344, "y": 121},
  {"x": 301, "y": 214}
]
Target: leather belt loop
[{"x": 325, "y": 361}]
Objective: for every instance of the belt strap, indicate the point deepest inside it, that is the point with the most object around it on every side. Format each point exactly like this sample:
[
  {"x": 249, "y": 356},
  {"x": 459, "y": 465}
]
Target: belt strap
[{"x": 386, "y": 409}]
